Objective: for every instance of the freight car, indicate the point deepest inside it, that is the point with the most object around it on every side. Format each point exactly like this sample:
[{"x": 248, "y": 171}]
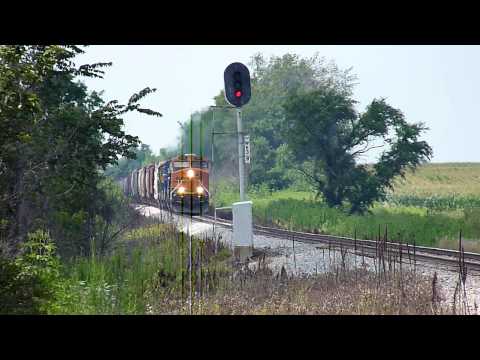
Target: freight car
[{"x": 179, "y": 184}]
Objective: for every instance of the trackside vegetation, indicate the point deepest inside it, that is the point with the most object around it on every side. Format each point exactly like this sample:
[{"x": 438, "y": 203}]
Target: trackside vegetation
[
  {"x": 149, "y": 273},
  {"x": 72, "y": 243},
  {"x": 412, "y": 212}
]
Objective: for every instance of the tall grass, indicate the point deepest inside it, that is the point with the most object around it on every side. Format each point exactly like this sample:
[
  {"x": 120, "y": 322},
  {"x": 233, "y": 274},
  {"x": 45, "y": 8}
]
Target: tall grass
[
  {"x": 429, "y": 221},
  {"x": 342, "y": 289},
  {"x": 149, "y": 260},
  {"x": 114, "y": 284},
  {"x": 407, "y": 224},
  {"x": 146, "y": 274}
]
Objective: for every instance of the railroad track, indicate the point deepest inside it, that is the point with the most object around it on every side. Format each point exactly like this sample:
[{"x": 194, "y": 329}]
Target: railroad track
[{"x": 381, "y": 249}]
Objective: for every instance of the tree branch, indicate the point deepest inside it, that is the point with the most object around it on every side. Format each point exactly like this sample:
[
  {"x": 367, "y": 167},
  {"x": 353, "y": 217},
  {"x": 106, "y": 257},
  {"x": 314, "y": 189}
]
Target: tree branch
[
  {"x": 364, "y": 150},
  {"x": 312, "y": 177}
]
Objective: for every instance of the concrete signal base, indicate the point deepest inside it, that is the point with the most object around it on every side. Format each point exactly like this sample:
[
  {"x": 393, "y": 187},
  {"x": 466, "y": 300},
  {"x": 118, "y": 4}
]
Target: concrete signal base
[
  {"x": 242, "y": 230},
  {"x": 242, "y": 253}
]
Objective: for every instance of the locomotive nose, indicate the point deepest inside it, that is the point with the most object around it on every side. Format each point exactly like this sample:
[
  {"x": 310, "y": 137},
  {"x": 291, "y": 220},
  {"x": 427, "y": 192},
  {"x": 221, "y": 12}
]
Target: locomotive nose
[{"x": 193, "y": 185}]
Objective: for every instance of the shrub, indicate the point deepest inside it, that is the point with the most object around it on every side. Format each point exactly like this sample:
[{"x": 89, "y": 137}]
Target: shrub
[{"x": 29, "y": 283}]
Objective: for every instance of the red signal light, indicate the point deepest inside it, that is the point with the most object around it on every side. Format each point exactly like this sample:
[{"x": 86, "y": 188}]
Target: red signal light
[{"x": 238, "y": 93}]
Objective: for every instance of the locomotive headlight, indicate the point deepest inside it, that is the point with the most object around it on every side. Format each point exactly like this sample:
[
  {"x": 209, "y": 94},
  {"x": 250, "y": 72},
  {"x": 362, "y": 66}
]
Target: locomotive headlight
[
  {"x": 199, "y": 190},
  {"x": 181, "y": 190},
  {"x": 190, "y": 173}
]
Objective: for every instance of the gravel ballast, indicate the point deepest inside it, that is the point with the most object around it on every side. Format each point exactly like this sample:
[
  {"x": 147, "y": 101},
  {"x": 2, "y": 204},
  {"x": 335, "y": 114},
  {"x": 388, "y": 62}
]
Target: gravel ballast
[{"x": 305, "y": 258}]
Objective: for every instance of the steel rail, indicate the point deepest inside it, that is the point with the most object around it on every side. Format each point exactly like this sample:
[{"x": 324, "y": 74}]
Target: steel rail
[{"x": 379, "y": 248}]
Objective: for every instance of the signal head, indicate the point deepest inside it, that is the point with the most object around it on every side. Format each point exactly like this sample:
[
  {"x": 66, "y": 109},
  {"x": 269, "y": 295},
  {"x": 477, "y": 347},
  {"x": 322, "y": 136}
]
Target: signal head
[{"x": 237, "y": 84}]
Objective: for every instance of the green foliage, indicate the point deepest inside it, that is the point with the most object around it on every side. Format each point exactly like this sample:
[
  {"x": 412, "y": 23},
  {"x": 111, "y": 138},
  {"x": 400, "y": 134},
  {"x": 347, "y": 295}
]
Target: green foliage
[
  {"x": 472, "y": 217},
  {"x": 107, "y": 285},
  {"x": 299, "y": 210},
  {"x": 55, "y": 136},
  {"x": 114, "y": 215},
  {"x": 143, "y": 155},
  {"x": 150, "y": 261},
  {"x": 28, "y": 284},
  {"x": 272, "y": 80},
  {"x": 39, "y": 258},
  {"x": 405, "y": 224},
  {"x": 18, "y": 294},
  {"x": 307, "y": 104},
  {"x": 322, "y": 127}
]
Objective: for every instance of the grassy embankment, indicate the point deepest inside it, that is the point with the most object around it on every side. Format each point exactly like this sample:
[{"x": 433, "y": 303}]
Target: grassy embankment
[
  {"x": 149, "y": 273},
  {"x": 148, "y": 270},
  {"x": 148, "y": 263},
  {"x": 429, "y": 207}
]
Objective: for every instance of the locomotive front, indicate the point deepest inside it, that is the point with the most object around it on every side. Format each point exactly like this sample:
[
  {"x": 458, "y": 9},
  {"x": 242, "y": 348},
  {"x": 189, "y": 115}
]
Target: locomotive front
[{"x": 189, "y": 181}]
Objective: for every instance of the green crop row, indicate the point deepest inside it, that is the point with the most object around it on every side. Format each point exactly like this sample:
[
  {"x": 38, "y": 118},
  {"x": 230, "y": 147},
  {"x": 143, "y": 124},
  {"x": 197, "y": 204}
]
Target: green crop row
[{"x": 449, "y": 202}]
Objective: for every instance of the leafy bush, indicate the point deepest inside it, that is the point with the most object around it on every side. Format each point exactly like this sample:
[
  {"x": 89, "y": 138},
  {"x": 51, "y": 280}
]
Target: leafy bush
[{"x": 29, "y": 283}]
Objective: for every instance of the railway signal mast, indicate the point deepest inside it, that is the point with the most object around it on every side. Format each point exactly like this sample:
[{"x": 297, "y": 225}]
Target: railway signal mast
[{"x": 238, "y": 93}]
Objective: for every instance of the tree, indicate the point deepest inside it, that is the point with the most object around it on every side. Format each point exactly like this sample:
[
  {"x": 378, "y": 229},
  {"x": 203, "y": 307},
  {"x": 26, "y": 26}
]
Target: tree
[
  {"x": 142, "y": 155},
  {"x": 272, "y": 80},
  {"x": 54, "y": 139},
  {"x": 327, "y": 136}
]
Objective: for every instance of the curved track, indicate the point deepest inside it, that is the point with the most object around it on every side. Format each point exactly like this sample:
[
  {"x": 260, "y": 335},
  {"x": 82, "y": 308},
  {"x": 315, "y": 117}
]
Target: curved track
[{"x": 453, "y": 259}]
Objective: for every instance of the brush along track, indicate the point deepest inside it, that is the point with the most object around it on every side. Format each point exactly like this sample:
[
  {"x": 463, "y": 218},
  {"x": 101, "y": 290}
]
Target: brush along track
[{"x": 377, "y": 248}]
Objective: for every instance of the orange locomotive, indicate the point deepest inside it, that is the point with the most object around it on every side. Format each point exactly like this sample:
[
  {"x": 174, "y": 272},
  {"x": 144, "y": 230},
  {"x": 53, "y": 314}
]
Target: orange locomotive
[{"x": 179, "y": 184}]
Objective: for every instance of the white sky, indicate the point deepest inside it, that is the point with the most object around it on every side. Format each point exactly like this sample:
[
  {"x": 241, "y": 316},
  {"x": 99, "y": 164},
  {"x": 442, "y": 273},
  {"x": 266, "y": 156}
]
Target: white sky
[{"x": 437, "y": 85}]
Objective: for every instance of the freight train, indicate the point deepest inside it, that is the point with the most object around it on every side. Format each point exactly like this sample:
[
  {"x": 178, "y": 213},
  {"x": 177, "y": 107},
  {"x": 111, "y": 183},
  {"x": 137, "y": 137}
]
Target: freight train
[{"x": 179, "y": 184}]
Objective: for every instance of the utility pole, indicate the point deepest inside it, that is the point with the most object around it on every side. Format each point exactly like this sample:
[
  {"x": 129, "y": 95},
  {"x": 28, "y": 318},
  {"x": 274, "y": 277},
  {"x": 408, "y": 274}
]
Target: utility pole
[
  {"x": 212, "y": 164},
  {"x": 182, "y": 142},
  {"x": 241, "y": 157},
  {"x": 212, "y": 155},
  {"x": 238, "y": 93}
]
